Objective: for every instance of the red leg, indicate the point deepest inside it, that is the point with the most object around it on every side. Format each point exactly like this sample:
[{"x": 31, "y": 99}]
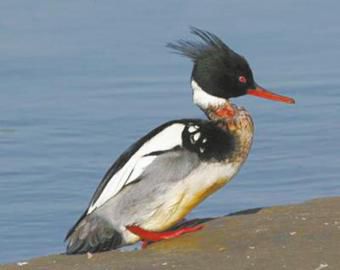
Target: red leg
[{"x": 157, "y": 236}]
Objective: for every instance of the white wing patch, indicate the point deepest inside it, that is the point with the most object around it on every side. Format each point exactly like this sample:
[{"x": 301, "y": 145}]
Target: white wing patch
[{"x": 167, "y": 139}]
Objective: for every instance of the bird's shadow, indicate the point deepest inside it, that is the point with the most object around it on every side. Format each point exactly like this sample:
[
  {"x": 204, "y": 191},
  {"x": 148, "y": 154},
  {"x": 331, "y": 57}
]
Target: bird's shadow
[
  {"x": 246, "y": 212},
  {"x": 197, "y": 221}
]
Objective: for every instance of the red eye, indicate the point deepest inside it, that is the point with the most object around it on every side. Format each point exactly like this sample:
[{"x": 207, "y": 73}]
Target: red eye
[{"x": 242, "y": 79}]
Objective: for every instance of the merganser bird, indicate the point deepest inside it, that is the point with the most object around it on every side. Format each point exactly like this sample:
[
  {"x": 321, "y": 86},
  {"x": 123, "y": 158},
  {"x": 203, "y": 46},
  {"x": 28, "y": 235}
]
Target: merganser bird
[{"x": 159, "y": 179}]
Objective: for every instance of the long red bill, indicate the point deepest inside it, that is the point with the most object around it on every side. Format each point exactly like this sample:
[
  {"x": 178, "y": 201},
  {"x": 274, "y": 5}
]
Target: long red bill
[{"x": 263, "y": 93}]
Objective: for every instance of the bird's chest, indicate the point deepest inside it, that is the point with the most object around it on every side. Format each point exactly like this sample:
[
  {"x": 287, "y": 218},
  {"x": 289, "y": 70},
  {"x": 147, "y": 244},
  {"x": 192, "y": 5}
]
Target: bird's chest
[
  {"x": 188, "y": 193},
  {"x": 242, "y": 128},
  {"x": 227, "y": 135}
]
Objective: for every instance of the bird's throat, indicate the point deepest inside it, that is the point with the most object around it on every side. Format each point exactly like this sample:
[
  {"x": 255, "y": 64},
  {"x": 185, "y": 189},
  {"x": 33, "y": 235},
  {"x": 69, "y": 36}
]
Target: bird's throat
[{"x": 225, "y": 112}]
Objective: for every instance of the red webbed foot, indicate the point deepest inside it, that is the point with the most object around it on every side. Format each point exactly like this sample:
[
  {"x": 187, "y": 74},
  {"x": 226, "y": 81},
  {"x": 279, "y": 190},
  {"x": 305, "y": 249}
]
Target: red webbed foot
[{"x": 149, "y": 236}]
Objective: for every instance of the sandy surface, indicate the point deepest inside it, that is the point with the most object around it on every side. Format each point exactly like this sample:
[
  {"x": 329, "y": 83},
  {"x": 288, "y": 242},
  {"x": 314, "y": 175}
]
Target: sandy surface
[{"x": 303, "y": 236}]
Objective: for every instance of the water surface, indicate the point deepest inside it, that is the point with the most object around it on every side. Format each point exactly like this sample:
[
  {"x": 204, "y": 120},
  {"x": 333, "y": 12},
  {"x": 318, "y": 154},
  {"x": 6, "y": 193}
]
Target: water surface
[{"x": 81, "y": 80}]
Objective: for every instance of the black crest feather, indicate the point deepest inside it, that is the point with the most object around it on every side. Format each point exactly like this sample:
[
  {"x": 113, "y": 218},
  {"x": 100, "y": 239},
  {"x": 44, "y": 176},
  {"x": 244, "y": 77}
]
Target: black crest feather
[{"x": 196, "y": 49}]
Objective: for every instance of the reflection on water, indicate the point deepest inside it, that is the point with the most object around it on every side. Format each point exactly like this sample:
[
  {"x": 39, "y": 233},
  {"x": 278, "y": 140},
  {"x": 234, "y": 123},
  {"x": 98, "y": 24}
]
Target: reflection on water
[{"x": 82, "y": 80}]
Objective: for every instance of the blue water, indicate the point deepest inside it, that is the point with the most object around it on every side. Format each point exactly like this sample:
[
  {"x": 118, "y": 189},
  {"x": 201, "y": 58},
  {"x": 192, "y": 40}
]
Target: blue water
[{"x": 81, "y": 80}]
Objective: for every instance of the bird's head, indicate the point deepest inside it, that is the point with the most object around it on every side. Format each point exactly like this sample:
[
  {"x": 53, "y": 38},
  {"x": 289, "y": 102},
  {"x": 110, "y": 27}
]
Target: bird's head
[{"x": 219, "y": 73}]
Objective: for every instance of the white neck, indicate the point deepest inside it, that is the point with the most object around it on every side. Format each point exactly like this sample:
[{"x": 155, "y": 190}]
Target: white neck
[{"x": 205, "y": 100}]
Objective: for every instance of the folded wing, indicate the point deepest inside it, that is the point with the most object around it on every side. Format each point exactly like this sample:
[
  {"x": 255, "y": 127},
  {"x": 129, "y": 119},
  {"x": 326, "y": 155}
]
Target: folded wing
[{"x": 131, "y": 165}]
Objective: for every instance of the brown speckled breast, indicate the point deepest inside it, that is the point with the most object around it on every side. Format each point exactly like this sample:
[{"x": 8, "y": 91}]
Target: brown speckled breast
[{"x": 241, "y": 125}]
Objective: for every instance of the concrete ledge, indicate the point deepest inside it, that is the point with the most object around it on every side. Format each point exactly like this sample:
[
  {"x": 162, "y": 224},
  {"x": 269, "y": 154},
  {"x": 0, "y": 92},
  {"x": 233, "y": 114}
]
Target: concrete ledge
[{"x": 302, "y": 236}]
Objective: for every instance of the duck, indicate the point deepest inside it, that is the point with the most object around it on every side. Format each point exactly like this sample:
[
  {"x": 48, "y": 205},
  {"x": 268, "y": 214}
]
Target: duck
[{"x": 159, "y": 179}]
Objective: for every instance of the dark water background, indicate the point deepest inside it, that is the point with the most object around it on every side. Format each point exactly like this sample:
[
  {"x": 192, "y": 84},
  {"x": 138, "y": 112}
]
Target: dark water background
[{"x": 82, "y": 80}]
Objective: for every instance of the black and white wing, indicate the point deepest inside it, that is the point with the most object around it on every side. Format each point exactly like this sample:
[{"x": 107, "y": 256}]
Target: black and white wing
[
  {"x": 131, "y": 164},
  {"x": 202, "y": 138}
]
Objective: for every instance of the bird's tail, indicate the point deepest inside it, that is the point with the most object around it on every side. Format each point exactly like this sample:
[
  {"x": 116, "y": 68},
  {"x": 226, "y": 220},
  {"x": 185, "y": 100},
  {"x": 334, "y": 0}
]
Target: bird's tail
[{"x": 92, "y": 233}]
